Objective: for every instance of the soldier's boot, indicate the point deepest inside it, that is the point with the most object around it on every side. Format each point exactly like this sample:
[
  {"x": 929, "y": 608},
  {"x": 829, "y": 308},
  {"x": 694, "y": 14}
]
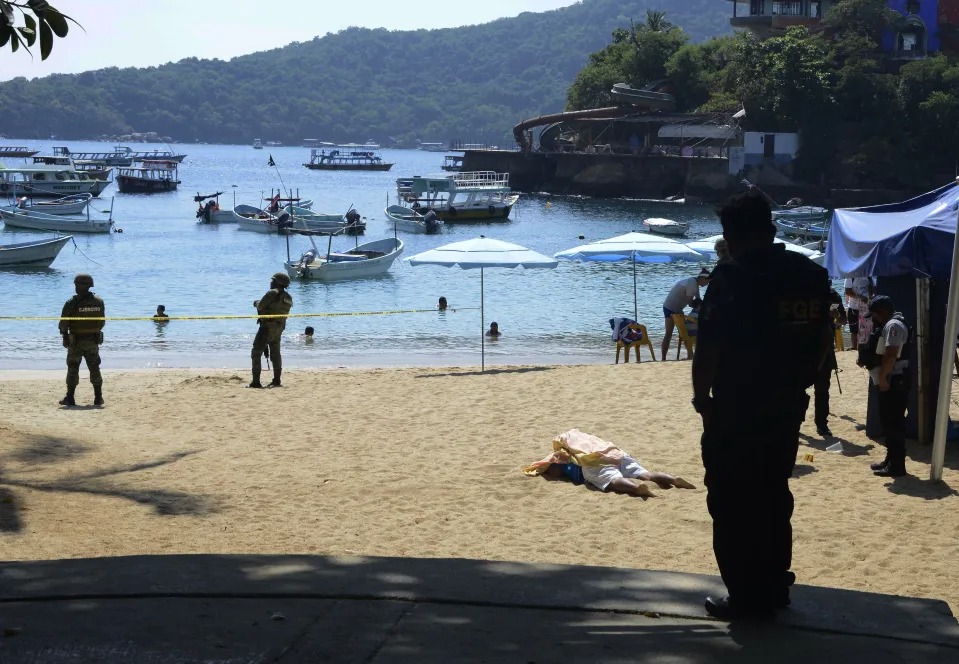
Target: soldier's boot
[
  {"x": 276, "y": 377},
  {"x": 68, "y": 400},
  {"x": 256, "y": 380},
  {"x": 98, "y": 396}
]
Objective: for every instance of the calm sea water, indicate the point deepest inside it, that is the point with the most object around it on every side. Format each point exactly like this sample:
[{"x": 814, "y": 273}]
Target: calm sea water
[{"x": 164, "y": 257}]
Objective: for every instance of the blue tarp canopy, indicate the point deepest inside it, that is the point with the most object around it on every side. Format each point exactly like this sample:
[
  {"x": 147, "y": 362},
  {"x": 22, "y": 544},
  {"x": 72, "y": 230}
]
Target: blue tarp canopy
[{"x": 914, "y": 237}]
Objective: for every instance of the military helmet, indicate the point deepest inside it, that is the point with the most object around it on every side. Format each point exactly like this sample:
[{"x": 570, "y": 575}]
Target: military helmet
[
  {"x": 282, "y": 278},
  {"x": 83, "y": 278}
]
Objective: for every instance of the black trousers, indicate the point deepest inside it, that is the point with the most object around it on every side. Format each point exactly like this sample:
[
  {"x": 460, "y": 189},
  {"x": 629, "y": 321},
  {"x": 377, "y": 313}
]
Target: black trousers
[
  {"x": 749, "y": 460},
  {"x": 821, "y": 399},
  {"x": 892, "y": 418}
]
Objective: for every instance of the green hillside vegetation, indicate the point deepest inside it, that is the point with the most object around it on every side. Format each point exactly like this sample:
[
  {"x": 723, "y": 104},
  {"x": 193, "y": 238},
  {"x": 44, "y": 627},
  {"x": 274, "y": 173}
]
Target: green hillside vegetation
[
  {"x": 468, "y": 83},
  {"x": 865, "y": 120}
]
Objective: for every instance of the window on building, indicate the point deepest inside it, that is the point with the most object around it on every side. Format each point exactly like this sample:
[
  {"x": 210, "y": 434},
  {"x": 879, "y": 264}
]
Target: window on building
[
  {"x": 794, "y": 8},
  {"x": 815, "y": 9}
]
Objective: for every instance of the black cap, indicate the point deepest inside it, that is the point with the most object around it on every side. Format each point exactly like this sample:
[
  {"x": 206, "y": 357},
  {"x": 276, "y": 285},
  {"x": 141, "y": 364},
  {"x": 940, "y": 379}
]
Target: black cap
[{"x": 882, "y": 302}]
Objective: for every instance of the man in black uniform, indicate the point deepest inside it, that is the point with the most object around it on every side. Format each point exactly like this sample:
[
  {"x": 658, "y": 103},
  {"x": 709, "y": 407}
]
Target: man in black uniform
[
  {"x": 837, "y": 317},
  {"x": 763, "y": 335}
]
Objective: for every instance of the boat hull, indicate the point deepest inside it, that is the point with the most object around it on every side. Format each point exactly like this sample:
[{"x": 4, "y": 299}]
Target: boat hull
[
  {"x": 811, "y": 231},
  {"x": 350, "y": 267},
  {"x": 405, "y": 219},
  {"x": 54, "y": 222},
  {"x": 68, "y": 205},
  {"x": 803, "y": 213},
  {"x": 667, "y": 228},
  {"x": 32, "y": 254},
  {"x": 54, "y": 189},
  {"x": 349, "y": 167},
  {"x": 129, "y": 185},
  {"x": 218, "y": 217}
]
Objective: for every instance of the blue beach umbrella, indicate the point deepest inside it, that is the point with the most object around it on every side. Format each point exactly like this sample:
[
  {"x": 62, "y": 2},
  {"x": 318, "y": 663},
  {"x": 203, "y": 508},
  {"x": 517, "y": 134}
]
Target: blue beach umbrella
[
  {"x": 482, "y": 253},
  {"x": 636, "y": 248}
]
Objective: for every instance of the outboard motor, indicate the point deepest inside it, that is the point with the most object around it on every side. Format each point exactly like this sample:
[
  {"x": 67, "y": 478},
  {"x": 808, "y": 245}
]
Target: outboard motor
[
  {"x": 307, "y": 258},
  {"x": 431, "y": 222},
  {"x": 284, "y": 221}
]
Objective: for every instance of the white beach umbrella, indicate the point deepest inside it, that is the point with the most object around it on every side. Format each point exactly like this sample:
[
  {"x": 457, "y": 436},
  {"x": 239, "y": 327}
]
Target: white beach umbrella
[
  {"x": 636, "y": 248},
  {"x": 707, "y": 247},
  {"x": 482, "y": 253}
]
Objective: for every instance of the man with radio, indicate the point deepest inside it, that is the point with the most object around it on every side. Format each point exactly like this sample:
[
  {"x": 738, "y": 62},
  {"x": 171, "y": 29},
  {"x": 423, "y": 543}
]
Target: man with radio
[
  {"x": 82, "y": 338},
  {"x": 886, "y": 356}
]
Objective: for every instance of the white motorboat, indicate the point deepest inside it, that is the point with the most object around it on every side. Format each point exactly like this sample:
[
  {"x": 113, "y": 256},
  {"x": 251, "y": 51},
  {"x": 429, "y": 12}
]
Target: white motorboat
[
  {"x": 74, "y": 204},
  {"x": 48, "y": 181},
  {"x": 800, "y": 213},
  {"x": 666, "y": 226},
  {"x": 809, "y": 230},
  {"x": 411, "y": 221},
  {"x": 371, "y": 259},
  {"x": 251, "y": 218},
  {"x": 63, "y": 223},
  {"x": 32, "y": 254},
  {"x": 304, "y": 219},
  {"x": 462, "y": 197}
]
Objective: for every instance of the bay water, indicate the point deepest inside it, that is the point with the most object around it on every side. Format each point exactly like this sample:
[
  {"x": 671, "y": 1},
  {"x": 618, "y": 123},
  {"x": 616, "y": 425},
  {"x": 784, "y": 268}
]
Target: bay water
[{"x": 163, "y": 256}]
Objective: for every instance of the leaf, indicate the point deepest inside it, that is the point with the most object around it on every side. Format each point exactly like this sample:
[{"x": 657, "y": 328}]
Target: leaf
[
  {"x": 46, "y": 40},
  {"x": 14, "y": 41},
  {"x": 31, "y": 23},
  {"x": 57, "y": 22},
  {"x": 28, "y": 35},
  {"x": 4, "y": 35}
]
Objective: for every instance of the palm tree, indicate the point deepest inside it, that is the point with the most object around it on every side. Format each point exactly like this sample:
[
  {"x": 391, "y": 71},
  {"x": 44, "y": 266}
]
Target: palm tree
[{"x": 656, "y": 21}]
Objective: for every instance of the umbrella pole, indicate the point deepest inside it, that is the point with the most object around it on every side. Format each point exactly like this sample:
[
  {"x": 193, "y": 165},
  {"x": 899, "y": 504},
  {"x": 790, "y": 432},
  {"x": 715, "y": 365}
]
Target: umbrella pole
[
  {"x": 482, "y": 327},
  {"x": 635, "y": 305}
]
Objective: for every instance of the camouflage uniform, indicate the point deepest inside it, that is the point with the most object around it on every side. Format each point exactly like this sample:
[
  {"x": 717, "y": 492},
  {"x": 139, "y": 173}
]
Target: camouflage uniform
[
  {"x": 275, "y": 301},
  {"x": 83, "y": 338}
]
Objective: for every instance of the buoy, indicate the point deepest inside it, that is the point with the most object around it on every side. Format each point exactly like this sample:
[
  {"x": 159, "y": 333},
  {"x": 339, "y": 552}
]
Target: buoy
[{"x": 581, "y": 237}]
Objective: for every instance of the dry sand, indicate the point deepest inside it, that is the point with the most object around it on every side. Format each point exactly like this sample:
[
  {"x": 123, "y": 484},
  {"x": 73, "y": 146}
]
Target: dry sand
[{"x": 426, "y": 463}]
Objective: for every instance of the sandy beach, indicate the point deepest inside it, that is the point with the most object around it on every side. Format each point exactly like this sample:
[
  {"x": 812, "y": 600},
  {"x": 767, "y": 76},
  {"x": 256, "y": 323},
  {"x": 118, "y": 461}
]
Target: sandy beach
[{"x": 427, "y": 463}]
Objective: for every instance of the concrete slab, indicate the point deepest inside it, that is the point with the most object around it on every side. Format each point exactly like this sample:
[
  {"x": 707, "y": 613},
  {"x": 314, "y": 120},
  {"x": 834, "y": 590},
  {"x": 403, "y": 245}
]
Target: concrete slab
[{"x": 161, "y": 608}]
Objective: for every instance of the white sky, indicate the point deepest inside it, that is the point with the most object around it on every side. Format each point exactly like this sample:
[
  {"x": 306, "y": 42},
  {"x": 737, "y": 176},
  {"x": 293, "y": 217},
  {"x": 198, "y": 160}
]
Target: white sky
[{"x": 141, "y": 33}]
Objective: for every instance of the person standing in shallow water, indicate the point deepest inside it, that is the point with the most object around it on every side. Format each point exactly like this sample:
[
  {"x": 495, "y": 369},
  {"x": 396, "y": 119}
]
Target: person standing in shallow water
[
  {"x": 82, "y": 338},
  {"x": 750, "y": 389},
  {"x": 442, "y": 305},
  {"x": 276, "y": 301}
]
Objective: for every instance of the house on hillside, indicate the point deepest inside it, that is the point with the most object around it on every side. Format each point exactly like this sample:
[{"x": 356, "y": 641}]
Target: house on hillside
[{"x": 925, "y": 21}]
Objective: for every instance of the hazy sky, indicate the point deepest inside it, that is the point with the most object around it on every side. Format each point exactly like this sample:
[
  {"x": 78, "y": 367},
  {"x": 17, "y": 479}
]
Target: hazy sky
[{"x": 140, "y": 33}]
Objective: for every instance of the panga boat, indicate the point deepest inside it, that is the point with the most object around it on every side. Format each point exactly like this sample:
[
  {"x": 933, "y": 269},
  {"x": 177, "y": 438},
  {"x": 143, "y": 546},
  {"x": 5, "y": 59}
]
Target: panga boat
[
  {"x": 150, "y": 178},
  {"x": 800, "y": 213},
  {"x": 407, "y": 219},
  {"x": 38, "y": 221},
  {"x": 251, "y": 218},
  {"x": 347, "y": 158},
  {"x": 304, "y": 219},
  {"x": 74, "y": 204},
  {"x": 210, "y": 212},
  {"x": 32, "y": 254},
  {"x": 466, "y": 196},
  {"x": 370, "y": 259},
  {"x": 666, "y": 226},
  {"x": 803, "y": 229}
]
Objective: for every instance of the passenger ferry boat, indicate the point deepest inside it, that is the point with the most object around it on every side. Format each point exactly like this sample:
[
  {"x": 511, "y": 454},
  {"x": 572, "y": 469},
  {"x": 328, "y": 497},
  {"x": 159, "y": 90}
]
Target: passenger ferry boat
[
  {"x": 352, "y": 157},
  {"x": 49, "y": 181},
  {"x": 115, "y": 158},
  {"x": 465, "y": 196},
  {"x": 91, "y": 168},
  {"x": 16, "y": 152},
  {"x": 150, "y": 178}
]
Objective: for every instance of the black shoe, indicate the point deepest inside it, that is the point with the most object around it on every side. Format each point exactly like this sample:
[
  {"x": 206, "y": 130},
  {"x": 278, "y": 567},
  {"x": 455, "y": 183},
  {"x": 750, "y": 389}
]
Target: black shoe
[
  {"x": 98, "y": 398},
  {"x": 824, "y": 431},
  {"x": 275, "y": 383},
  {"x": 888, "y": 471},
  {"x": 860, "y": 427},
  {"x": 879, "y": 465},
  {"x": 68, "y": 401},
  {"x": 256, "y": 384},
  {"x": 723, "y": 609}
]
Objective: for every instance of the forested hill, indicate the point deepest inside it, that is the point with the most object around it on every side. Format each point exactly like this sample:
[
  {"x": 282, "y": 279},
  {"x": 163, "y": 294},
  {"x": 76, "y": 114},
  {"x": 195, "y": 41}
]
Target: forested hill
[{"x": 470, "y": 83}]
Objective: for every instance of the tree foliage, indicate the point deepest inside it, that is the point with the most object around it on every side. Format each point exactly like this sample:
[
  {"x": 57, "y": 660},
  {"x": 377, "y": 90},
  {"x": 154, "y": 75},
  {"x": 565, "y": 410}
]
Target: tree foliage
[
  {"x": 471, "y": 83},
  {"x": 866, "y": 120},
  {"x": 40, "y": 20}
]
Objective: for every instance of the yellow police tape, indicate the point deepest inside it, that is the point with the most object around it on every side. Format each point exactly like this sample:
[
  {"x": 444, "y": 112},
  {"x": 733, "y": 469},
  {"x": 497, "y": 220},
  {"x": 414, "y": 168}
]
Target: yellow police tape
[{"x": 336, "y": 314}]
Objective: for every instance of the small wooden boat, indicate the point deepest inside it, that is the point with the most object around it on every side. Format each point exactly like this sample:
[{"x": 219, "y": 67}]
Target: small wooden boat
[
  {"x": 151, "y": 178},
  {"x": 371, "y": 259},
  {"x": 803, "y": 229},
  {"x": 32, "y": 254},
  {"x": 251, "y": 218},
  {"x": 65, "y": 223},
  {"x": 666, "y": 227},
  {"x": 74, "y": 204},
  {"x": 302, "y": 218},
  {"x": 411, "y": 221},
  {"x": 210, "y": 212},
  {"x": 800, "y": 213}
]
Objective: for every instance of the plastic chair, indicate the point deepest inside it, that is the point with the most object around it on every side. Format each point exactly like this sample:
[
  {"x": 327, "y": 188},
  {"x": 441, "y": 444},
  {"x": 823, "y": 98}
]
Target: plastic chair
[
  {"x": 635, "y": 345},
  {"x": 679, "y": 320}
]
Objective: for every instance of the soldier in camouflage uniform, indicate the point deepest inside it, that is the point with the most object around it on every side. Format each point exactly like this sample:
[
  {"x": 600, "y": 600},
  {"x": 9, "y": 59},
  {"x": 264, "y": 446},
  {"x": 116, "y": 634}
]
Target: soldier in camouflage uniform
[
  {"x": 276, "y": 301},
  {"x": 82, "y": 338}
]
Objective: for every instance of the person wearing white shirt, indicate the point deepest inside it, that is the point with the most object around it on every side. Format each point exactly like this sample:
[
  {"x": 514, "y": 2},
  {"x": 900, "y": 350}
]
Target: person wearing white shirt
[{"x": 681, "y": 296}]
